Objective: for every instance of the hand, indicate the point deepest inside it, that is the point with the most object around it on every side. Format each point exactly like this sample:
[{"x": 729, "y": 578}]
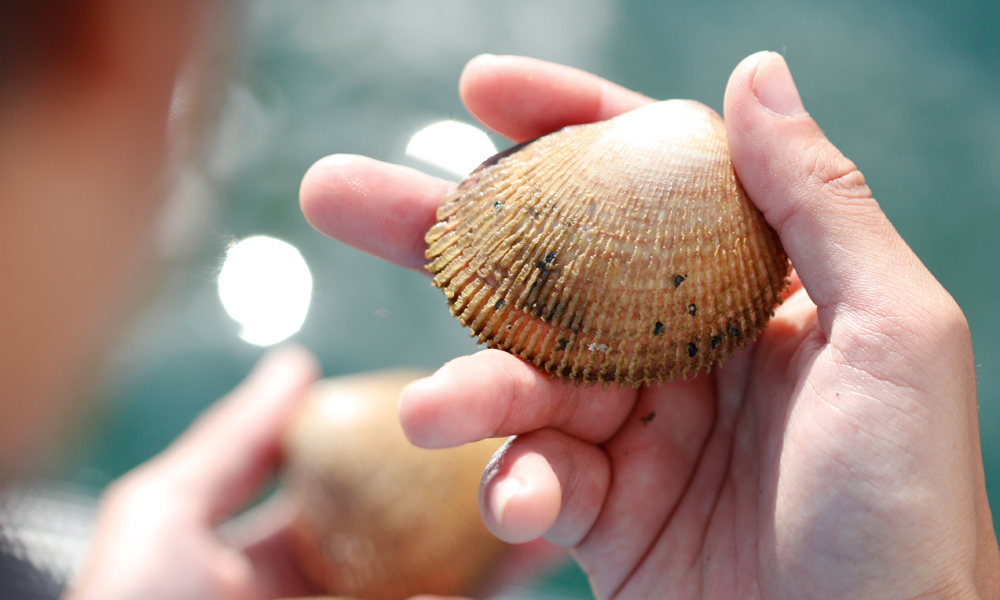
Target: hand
[
  {"x": 157, "y": 533},
  {"x": 837, "y": 456},
  {"x": 163, "y": 533}
]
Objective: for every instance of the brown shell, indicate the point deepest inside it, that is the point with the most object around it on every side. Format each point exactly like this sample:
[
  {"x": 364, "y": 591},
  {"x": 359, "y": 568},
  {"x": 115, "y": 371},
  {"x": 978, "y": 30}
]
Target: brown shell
[
  {"x": 621, "y": 251},
  {"x": 380, "y": 519}
]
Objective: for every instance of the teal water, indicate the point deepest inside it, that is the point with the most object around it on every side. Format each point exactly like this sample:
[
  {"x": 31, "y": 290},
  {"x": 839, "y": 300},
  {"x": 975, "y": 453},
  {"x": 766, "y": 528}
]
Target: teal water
[{"x": 909, "y": 90}]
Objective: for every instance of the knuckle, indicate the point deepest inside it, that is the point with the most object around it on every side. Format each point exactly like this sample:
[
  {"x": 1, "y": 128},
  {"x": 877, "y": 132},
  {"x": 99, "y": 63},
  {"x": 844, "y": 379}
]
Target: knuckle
[
  {"x": 945, "y": 317},
  {"x": 126, "y": 485},
  {"x": 148, "y": 479},
  {"x": 926, "y": 328},
  {"x": 834, "y": 173},
  {"x": 123, "y": 493}
]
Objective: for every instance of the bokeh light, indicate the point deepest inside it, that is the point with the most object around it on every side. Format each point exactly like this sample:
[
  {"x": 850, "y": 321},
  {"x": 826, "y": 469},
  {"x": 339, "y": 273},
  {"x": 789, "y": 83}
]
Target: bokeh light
[
  {"x": 265, "y": 285},
  {"x": 455, "y": 147}
]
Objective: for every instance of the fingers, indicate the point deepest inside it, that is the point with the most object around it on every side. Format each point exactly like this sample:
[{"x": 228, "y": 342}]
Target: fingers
[
  {"x": 495, "y": 394},
  {"x": 544, "y": 483},
  {"x": 157, "y": 521},
  {"x": 843, "y": 247},
  {"x": 549, "y": 482},
  {"x": 385, "y": 209},
  {"x": 264, "y": 537},
  {"x": 523, "y": 98},
  {"x": 222, "y": 460},
  {"x": 382, "y": 209}
]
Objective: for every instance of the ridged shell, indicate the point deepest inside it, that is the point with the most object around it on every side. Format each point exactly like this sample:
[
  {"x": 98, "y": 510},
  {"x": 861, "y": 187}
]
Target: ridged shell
[
  {"x": 621, "y": 251},
  {"x": 380, "y": 519}
]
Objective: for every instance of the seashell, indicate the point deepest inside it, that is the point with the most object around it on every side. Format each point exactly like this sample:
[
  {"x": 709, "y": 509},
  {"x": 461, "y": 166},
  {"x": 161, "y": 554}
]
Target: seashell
[
  {"x": 621, "y": 251},
  {"x": 378, "y": 518}
]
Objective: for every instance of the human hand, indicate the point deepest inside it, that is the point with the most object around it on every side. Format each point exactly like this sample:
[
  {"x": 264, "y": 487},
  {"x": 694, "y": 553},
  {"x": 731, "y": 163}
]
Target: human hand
[
  {"x": 837, "y": 456},
  {"x": 157, "y": 533}
]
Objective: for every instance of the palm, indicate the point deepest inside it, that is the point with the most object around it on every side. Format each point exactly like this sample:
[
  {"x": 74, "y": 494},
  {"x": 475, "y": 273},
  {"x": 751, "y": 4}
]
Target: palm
[{"x": 756, "y": 481}]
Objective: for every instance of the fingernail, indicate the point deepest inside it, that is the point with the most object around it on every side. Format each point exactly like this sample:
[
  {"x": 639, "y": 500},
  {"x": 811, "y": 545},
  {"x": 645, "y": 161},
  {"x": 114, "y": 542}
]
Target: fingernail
[
  {"x": 775, "y": 89},
  {"x": 502, "y": 493}
]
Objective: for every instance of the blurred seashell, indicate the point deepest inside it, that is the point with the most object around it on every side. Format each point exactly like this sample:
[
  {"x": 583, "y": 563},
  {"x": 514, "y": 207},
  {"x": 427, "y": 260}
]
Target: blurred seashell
[
  {"x": 621, "y": 251},
  {"x": 380, "y": 519}
]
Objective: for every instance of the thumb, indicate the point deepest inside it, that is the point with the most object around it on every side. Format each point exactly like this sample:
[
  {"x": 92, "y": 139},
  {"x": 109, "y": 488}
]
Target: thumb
[
  {"x": 849, "y": 257},
  {"x": 224, "y": 458}
]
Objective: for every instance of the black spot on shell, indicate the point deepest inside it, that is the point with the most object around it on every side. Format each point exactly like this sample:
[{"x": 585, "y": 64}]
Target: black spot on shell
[
  {"x": 692, "y": 309},
  {"x": 551, "y": 256},
  {"x": 544, "y": 268},
  {"x": 658, "y": 328},
  {"x": 544, "y": 312},
  {"x": 716, "y": 340},
  {"x": 678, "y": 280},
  {"x": 499, "y": 304},
  {"x": 692, "y": 349},
  {"x": 563, "y": 343},
  {"x": 734, "y": 331},
  {"x": 647, "y": 419}
]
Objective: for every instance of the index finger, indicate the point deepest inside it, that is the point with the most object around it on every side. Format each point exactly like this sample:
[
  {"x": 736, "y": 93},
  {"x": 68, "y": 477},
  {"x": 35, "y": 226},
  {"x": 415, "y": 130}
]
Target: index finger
[
  {"x": 385, "y": 209},
  {"x": 377, "y": 207},
  {"x": 229, "y": 452},
  {"x": 523, "y": 98}
]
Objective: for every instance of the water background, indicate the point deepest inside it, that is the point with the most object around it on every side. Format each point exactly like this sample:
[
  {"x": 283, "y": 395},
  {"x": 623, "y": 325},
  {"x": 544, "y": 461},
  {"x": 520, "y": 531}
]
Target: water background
[{"x": 910, "y": 90}]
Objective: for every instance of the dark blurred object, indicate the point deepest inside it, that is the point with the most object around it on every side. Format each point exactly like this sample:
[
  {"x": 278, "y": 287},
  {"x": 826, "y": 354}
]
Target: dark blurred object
[
  {"x": 44, "y": 535},
  {"x": 21, "y": 580},
  {"x": 37, "y": 34}
]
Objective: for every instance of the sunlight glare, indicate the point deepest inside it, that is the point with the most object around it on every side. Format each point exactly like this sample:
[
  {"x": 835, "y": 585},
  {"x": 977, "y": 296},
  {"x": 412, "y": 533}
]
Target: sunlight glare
[
  {"x": 452, "y": 146},
  {"x": 265, "y": 285}
]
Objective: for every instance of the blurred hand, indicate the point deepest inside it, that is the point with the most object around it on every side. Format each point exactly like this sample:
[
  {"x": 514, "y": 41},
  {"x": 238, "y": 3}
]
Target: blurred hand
[
  {"x": 837, "y": 456},
  {"x": 165, "y": 529},
  {"x": 157, "y": 533}
]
